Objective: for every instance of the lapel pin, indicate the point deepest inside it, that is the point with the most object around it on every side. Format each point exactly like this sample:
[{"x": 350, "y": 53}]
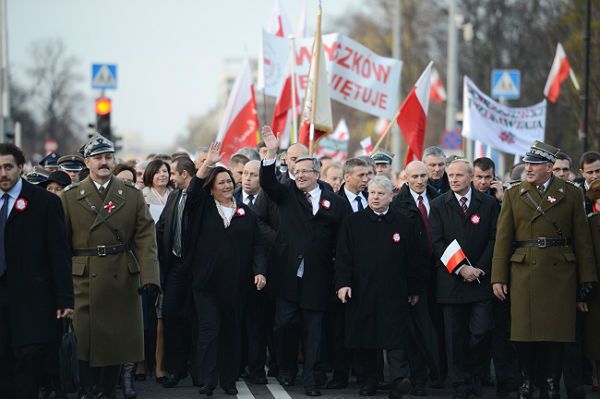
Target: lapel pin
[
  {"x": 110, "y": 206},
  {"x": 551, "y": 199},
  {"x": 21, "y": 204},
  {"x": 82, "y": 192},
  {"x": 120, "y": 192}
]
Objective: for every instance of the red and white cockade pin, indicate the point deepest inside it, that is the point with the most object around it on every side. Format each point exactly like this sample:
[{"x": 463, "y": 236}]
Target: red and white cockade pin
[
  {"x": 110, "y": 206},
  {"x": 551, "y": 199},
  {"x": 396, "y": 237},
  {"x": 21, "y": 204},
  {"x": 240, "y": 212},
  {"x": 475, "y": 218},
  {"x": 326, "y": 204}
]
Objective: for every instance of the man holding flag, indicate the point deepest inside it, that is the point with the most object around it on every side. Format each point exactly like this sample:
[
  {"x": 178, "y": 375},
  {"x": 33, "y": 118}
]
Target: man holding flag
[{"x": 463, "y": 229}]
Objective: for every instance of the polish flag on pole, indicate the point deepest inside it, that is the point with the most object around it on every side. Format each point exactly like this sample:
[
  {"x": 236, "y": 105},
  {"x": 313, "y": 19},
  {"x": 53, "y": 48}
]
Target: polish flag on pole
[
  {"x": 316, "y": 112},
  {"x": 279, "y": 23},
  {"x": 453, "y": 256},
  {"x": 239, "y": 126},
  {"x": 438, "y": 93},
  {"x": 367, "y": 145},
  {"x": 301, "y": 27},
  {"x": 412, "y": 116},
  {"x": 283, "y": 115},
  {"x": 560, "y": 70}
]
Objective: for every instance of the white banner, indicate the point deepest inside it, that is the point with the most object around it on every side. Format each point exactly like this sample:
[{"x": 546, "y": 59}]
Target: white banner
[
  {"x": 510, "y": 130},
  {"x": 357, "y": 77}
]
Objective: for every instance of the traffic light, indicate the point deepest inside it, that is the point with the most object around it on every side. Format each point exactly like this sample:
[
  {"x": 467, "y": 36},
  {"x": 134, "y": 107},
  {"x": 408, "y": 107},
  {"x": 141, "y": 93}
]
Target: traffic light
[{"x": 103, "y": 108}]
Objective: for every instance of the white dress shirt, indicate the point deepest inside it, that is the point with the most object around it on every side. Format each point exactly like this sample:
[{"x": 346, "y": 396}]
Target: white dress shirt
[
  {"x": 352, "y": 198},
  {"x": 467, "y": 195}
]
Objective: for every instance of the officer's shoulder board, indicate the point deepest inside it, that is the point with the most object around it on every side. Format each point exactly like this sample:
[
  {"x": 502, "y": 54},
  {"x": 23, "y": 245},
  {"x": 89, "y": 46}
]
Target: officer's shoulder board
[
  {"x": 513, "y": 185},
  {"x": 130, "y": 184},
  {"x": 573, "y": 183},
  {"x": 70, "y": 186}
]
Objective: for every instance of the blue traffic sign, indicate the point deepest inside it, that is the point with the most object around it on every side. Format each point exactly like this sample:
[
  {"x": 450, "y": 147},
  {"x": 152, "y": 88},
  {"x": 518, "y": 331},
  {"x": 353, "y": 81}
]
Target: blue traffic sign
[
  {"x": 104, "y": 76},
  {"x": 506, "y": 83}
]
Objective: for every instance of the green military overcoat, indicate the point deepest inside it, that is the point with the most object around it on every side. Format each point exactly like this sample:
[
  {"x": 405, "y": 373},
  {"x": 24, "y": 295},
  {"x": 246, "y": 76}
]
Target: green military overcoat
[
  {"x": 543, "y": 281},
  {"x": 591, "y": 336},
  {"x": 108, "y": 313}
]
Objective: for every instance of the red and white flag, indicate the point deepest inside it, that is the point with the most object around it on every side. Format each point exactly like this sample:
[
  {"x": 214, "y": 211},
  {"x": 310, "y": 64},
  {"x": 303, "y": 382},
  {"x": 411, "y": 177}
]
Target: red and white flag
[
  {"x": 412, "y": 117},
  {"x": 279, "y": 23},
  {"x": 438, "y": 93},
  {"x": 560, "y": 70},
  {"x": 239, "y": 126},
  {"x": 335, "y": 145},
  {"x": 367, "y": 145},
  {"x": 283, "y": 114},
  {"x": 317, "y": 79},
  {"x": 453, "y": 256}
]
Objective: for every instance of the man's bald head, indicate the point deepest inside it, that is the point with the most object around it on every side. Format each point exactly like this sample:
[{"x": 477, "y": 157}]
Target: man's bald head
[
  {"x": 416, "y": 176},
  {"x": 294, "y": 152},
  {"x": 250, "y": 177}
]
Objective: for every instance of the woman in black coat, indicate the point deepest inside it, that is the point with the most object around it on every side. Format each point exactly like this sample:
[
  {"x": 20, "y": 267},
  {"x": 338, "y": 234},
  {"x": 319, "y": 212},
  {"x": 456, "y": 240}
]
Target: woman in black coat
[{"x": 225, "y": 257}]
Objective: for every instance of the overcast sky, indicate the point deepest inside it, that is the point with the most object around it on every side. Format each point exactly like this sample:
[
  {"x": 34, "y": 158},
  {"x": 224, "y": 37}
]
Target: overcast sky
[{"x": 169, "y": 52}]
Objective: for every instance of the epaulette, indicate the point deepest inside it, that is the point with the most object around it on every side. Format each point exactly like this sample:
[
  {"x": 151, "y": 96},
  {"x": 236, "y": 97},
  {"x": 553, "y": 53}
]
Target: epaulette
[
  {"x": 513, "y": 184},
  {"x": 70, "y": 186},
  {"x": 589, "y": 215},
  {"x": 129, "y": 183},
  {"x": 573, "y": 183}
]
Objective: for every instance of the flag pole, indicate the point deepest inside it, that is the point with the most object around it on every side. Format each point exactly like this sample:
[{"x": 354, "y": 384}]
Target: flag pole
[
  {"x": 317, "y": 55},
  {"x": 386, "y": 131},
  {"x": 294, "y": 132}
]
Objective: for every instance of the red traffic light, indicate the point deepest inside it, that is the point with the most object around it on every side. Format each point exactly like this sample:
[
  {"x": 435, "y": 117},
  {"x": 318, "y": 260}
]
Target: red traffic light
[{"x": 103, "y": 106}]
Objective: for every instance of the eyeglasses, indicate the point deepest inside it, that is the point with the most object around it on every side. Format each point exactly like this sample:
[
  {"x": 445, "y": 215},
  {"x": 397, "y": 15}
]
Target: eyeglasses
[{"x": 304, "y": 171}]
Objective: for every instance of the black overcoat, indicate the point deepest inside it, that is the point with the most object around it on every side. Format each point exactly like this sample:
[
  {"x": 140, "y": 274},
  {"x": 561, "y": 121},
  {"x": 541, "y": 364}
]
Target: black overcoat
[
  {"x": 38, "y": 260},
  {"x": 377, "y": 258},
  {"x": 476, "y": 234},
  {"x": 221, "y": 261},
  {"x": 303, "y": 235},
  {"x": 164, "y": 232}
]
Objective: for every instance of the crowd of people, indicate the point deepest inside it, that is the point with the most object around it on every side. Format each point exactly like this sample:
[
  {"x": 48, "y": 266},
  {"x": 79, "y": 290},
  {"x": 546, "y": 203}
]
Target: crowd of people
[{"x": 249, "y": 265}]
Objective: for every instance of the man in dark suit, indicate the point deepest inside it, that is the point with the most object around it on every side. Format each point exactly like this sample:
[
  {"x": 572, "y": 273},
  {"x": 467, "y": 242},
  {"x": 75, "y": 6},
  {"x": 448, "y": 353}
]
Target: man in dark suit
[
  {"x": 36, "y": 287},
  {"x": 255, "y": 325},
  {"x": 413, "y": 200},
  {"x": 169, "y": 232},
  {"x": 435, "y": 160},
  {"x": 590, "y": 171},
  {"x": 293, "y": 152},
  {"x": 310, "y": 218},
  {"x": 469, "y": 217}
]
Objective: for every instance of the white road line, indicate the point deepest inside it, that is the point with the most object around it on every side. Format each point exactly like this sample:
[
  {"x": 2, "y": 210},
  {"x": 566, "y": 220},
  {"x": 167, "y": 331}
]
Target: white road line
[
  {"x": 278, "y": 391},
  {"x": 243, "y": 390}
]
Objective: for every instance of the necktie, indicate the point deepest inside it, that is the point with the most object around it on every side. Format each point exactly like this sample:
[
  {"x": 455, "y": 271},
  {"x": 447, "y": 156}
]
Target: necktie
[
  {"x": 359, "y": 202},
  {"x": 3, "y": 218},
  {"x": 250, "y": 200},
  {"x": 425, "y": 218},
  {"x": 308, "y": 198},
  {"x": 541, "y": 189},
  {"x": 178, "y": 225},
  {"x": 463, "y": 204},
  {"x": 102, "y": 191}
]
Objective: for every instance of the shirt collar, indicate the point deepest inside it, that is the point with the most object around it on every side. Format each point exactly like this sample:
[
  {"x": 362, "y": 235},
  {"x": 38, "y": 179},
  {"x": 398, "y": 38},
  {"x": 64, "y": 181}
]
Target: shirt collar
[
  {"x": 351, "y": 196},
  {"x": 105, "y": 185},
  {"x": 467, "y": 195},
  {"x": 245, "y": 196},
  {"x": 15, "y": 190},
  {"x": 547, "y": 183},
  {"x": 416, "y": 195},
  {"x": 382, "y": 213},
  {"x": 316, "y": 192}
]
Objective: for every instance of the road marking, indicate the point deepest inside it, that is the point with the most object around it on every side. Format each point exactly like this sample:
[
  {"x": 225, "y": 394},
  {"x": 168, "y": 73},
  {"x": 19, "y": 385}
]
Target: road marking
[
  {"x": 278, "y": 391},
  {"x": 243, "y": 390}
]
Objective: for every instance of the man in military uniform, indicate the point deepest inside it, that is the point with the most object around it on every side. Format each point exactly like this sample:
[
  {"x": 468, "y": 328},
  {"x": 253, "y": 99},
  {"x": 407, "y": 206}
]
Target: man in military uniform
[
  {"x": 113, "y": 245},
  {"x": 540, "y": 256},
  {"x": 71, "y": 165},
  {"x": 383, "y": 163},
  {"x": 37, "y": 175}
]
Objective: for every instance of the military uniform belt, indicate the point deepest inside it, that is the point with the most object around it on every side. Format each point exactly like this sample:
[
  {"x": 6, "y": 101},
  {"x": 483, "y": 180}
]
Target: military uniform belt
[
  {"x": 101, "y": 250},
  {"x": 543, "y": 242}
]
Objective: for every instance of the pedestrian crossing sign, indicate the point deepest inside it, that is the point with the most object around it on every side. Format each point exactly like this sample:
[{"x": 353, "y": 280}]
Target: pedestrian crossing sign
[
  {"x": 104, "y": 76},
  {"x": 506, "y": 83}
]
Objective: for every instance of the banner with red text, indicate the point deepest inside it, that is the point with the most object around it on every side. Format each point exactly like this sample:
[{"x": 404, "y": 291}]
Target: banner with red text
[{"x": 357, "y": 76}]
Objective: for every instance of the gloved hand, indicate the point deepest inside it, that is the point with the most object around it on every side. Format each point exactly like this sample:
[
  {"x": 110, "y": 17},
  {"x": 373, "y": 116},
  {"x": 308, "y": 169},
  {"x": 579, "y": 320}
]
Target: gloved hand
[
  {"x": 586, "y": 291},
  {"x": 152, "y": 291}
]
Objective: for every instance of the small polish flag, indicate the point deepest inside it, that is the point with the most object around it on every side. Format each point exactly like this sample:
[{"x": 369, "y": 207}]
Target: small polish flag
[
  {"x": 558, "y": 73},
  {"x": 412, "y": 117},
  {"x": 279, "y": 23},
  {"x": 367, "y": 145},
  {"x": 453, "y": 256},
  {"x": 438, "y": 93}
]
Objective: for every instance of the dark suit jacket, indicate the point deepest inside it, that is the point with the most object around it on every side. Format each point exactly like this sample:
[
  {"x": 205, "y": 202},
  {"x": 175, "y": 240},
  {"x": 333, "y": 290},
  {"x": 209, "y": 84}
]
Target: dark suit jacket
[
  {"x": 303, "y": 235},
  {"x": 268, "y": 217},
  {"x": 476, "y": 234},
  {"x": 342, "y": 193},
  {"x": 38, "y": 278},
  {"x": 164, "y": 232},
  {"x": 405, "y": 204}
]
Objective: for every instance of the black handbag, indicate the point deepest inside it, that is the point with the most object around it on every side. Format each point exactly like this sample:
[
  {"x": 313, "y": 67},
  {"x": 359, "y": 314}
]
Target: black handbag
[{"x": 69, "y": 358}]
